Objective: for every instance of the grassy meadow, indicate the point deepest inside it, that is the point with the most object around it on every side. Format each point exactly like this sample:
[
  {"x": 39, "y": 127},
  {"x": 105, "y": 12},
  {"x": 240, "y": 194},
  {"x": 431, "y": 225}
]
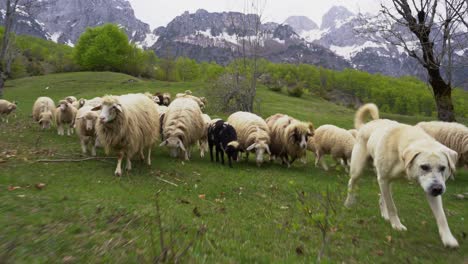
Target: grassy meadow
[{"x": 209, "y": 213}]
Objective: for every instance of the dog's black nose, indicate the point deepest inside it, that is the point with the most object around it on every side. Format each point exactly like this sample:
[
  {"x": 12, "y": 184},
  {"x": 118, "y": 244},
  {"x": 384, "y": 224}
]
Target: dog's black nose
[{"x": 436, "y": 189}]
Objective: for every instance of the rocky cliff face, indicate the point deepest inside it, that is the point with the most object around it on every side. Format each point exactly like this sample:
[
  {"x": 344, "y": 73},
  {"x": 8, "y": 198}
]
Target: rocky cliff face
[
  {"x": 220, "y": 37},
  {"x": 300, "y": 23},
  {"x": 63, "y": 21},
  {"x": 348, "y": 35}
]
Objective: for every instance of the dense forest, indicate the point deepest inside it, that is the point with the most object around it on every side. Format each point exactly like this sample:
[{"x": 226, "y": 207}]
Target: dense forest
[{"x": 107, "y": 48}]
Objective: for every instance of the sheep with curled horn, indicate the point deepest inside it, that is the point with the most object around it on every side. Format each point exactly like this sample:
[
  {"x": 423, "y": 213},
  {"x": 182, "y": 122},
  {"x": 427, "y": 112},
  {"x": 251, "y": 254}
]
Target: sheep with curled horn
[{"x": 183, "y": 127}]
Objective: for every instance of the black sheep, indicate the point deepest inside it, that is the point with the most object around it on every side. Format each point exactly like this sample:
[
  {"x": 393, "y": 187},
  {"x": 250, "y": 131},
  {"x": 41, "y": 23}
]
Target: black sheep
[{"x": 224, "y": 137}]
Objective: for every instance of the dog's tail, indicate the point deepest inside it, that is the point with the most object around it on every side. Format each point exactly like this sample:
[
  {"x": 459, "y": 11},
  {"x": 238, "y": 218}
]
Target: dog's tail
[{"x": 363, "y": 111}]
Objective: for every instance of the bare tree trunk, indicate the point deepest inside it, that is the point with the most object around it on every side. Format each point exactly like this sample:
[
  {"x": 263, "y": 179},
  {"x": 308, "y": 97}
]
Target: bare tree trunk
[
  {"x": 9, "y": 15},
  {"x": 443, "y": 96}
]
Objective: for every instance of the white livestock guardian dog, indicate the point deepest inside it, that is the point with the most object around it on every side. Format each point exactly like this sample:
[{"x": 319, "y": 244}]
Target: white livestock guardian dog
[{"x": 400, "y": 150}]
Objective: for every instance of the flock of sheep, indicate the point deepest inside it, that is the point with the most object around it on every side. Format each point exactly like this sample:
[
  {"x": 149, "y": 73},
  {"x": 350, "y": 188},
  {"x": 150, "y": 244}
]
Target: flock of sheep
[{"x": 131, "y": 124}]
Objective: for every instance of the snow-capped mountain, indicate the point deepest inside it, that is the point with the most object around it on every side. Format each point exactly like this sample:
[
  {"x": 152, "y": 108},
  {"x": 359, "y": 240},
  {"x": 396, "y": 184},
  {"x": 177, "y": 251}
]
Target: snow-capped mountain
[
  {"x": 219, "y": 37},
  {"x": 338, "y": 43},
  {"x": 63, "y": 21},
  {"x": 351, "y": 36}
]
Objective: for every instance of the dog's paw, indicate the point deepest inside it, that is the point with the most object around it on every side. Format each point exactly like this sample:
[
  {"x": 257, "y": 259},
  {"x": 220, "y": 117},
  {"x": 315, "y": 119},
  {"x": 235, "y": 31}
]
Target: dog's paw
[
  {"x": 399, "y": 227},
  {"x": 350, "y": 201},
  {"x": 450, "y": 242}
]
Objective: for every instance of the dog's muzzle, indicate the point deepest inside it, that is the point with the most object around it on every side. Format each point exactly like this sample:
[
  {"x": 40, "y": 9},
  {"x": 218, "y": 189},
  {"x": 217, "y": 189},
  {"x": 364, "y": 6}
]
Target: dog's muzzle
[{"x": 436, "y": 189}]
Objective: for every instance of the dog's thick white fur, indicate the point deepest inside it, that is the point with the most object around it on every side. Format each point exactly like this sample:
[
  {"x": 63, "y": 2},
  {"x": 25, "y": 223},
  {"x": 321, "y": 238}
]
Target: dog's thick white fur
[{"x": 400, "y": 150}]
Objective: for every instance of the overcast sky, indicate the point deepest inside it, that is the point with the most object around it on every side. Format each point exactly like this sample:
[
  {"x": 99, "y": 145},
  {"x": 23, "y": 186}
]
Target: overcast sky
[{"x": 160, "y": 12}]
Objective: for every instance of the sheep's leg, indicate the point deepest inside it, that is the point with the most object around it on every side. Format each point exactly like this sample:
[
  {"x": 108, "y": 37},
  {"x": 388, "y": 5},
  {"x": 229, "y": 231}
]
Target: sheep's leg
[
  {"x": 59, "y": 129},
  {"x": 69, "y": 131},
  {"x": 217, "y": 153},
  {"x": 229, "y": 160},
  {"x": 239, "y": 157},
  {"x": 93, "y": 150},
  {"x": 210, "y": 145},
  {"x": 142, "y": 155},
  {"x": 118, "y": 170},
  {"x": 149, "y": 156},
  {"x": 84, "y": 144},
  {"x": 320, "y": 160},
  {"x": 6, "y": 119},
  {"x": 222, "y": 156},
  {"x": 200, "y": 146},
  {"x": 247, "y": 156},
  {"x": 128, "y": 166}
]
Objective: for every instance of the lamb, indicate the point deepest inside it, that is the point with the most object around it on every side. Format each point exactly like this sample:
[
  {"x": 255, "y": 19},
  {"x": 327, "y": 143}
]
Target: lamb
[
  {"x": 128, "y": 124},
  {"x": 183, "y": 127},
  {"x": 154, "y": 98},
  {"x": 452, "y": 135},
  {"x": 65, "y": 115},
  {"x": 86, "y": 120},
  {"x": 223, "y": 137},
  {"x": 44, "y": 112},
  {"x": 6, "y": 108},
  {"x": 253, "y": 134},
  {"x": 203, "y": 142},
  {"x": 164, "y": 98},
  {"x": 289, "y": 137},
  {"x": 335, "y": 141}
]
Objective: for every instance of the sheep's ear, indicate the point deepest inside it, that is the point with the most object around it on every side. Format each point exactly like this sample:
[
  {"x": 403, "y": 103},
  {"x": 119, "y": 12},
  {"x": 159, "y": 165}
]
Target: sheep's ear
[
  {"x": 82, "y": 102},
  {"x": 118, "y": 107},
  {"x": 97, "y": 108},
  {"x": 251, "y": 147},
  {"x": 268, "y": 150},
  {"x": 181, "y": 145},
  {"x": 164, "y": 143}
]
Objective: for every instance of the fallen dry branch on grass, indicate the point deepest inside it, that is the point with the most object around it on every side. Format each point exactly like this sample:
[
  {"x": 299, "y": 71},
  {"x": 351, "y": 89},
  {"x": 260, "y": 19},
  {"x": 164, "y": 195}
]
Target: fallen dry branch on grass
[
  {"x": 166, "y": 181},
  {"x": 76, "y": 160}
]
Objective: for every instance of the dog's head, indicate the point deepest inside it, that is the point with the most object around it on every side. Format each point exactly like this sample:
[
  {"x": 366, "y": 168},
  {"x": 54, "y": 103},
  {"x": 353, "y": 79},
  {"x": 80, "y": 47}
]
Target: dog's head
[{"x": 430, "y": 167}]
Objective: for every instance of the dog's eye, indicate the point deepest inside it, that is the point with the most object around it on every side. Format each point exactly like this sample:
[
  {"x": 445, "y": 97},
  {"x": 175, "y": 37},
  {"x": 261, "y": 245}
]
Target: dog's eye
[
  {"x": 425, "y": 167},
  {"x": 442, "y": 168}
]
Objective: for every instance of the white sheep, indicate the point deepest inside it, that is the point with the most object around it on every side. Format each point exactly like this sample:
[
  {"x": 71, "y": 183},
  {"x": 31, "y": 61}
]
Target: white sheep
[
  {"x": 65, "y": 115},
  {"x": 6, "y": 108},
  {"x": 183, "y": 127},
  {"x": 95, "y": 102},
  {"x": 289, "y": 137},
  {"x": 334, "y": 141},
  {"x": 203, "y": 142},
  {"x": 201, "y": 101},
  {"x": 253, "y": 134},
  {"x": 44, "y": 112},
  {"x": 85, "y": 126},
  {"x": 128, "y": 124},
  {"x": 452, "y": 135}
]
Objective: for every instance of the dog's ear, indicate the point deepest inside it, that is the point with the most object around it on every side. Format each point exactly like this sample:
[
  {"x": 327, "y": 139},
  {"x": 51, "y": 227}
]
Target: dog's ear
[
  {"x": 452, "y": 158},
  {"x": 409, "y": 155}
]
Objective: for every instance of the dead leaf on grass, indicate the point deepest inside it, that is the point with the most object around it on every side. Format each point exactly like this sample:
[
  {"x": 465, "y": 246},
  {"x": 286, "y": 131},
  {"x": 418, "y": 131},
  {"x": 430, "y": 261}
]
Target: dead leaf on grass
[
  {"x": 389, "y": 239},
  {"x": 12, "y": 188},
  {"x": 202, "y": 196},
  {"x": 40, "y": 186}
]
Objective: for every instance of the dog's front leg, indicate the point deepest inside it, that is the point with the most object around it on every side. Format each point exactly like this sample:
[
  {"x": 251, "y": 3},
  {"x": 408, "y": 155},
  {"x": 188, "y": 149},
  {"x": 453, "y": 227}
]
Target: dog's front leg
[
  {"x": 388, "y": 202},
  {"x": 436, "y": 205}
]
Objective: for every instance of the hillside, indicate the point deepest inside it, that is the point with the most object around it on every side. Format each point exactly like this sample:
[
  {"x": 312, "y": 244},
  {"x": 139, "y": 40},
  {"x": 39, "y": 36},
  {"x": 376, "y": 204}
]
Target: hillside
[{"x": 246, "y": 214}]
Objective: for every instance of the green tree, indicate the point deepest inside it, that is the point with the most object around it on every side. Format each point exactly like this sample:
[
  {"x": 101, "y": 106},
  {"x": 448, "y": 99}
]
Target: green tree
[{"x": 103, "y": 48}]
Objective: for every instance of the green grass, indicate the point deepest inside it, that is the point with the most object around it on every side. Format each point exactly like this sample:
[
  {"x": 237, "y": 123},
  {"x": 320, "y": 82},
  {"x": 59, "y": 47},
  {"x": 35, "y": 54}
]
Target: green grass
[{"x": 251, "y": 214}]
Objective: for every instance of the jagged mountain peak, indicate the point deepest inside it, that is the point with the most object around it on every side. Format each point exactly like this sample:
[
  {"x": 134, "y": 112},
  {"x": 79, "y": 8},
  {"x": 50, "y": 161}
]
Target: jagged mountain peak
[
  {"x": 301, "y": 23},
  {"x": 335, "y": 14}
]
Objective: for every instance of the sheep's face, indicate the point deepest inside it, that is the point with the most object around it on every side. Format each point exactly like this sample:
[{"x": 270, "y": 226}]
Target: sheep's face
[
  {"x": 232, "y": 149},
  {"x": 175, "y": 146},
  {"x": 430, "y": 168},
  {"x": 260, "y": 148},
  {"x": 166, "y": 100},
  {"x": 45, "y": 120},
  {"x": 11, "y": 108},
  {"x": 90, "y": 121},
  {"x": 301, "y": 139},
  {"x": 109, "y": 112},
  {"x": 156, "y": 100}
]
